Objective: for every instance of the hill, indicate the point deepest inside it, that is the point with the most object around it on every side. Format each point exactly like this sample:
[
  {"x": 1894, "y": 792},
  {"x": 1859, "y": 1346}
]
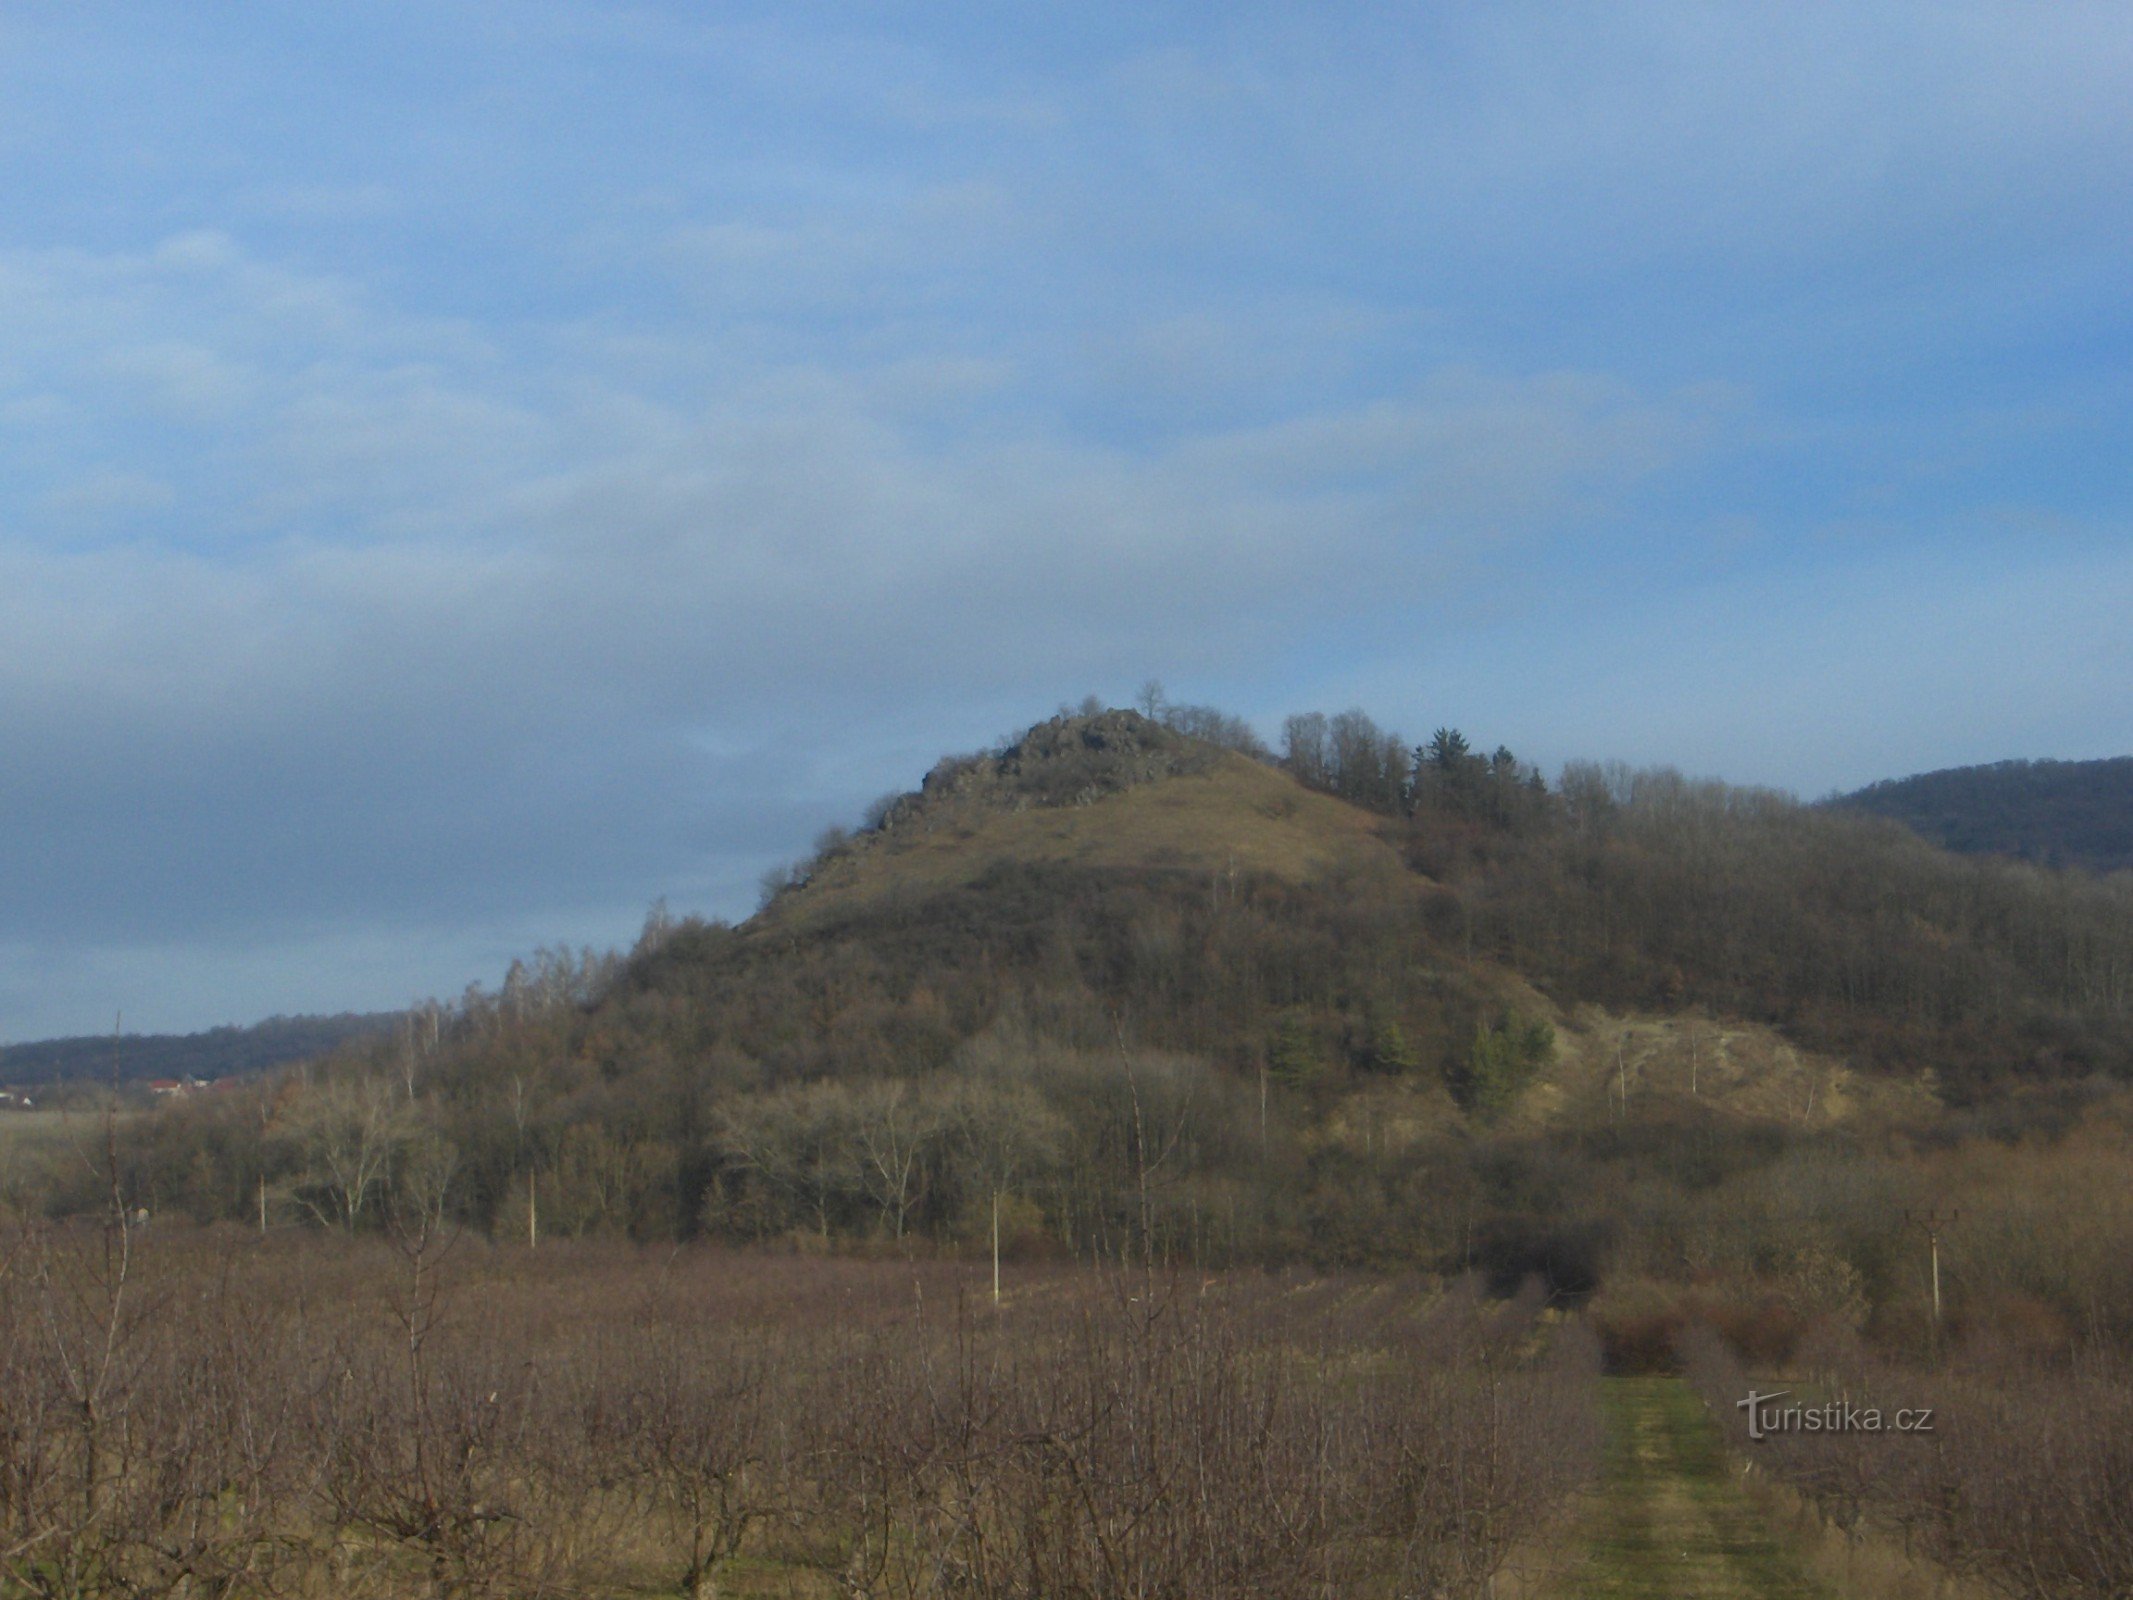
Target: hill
[
  {"x": 1116, "y": 990},
  {"x": 2055, "y": 813}
]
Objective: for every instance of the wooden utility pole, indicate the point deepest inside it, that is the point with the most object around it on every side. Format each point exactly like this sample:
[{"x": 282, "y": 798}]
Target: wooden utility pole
[
  {"x": 1931, "y": 1223},
  {"x": 262, "y": 1162},
  {"x": 533, "y": 1175},
  {"x": 1262, "y": 1105},
  {"x": 111, "y": 1149}
]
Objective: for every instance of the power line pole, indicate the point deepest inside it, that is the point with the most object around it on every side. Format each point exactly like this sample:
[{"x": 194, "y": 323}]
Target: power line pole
[{"x": 1931, "y": 1223}]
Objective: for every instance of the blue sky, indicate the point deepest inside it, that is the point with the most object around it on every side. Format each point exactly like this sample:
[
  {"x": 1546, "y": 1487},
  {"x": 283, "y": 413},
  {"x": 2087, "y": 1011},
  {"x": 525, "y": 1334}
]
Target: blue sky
[{"x": 469, "y": 469}]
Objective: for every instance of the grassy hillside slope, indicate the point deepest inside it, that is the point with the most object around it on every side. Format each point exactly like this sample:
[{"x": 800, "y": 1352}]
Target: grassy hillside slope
[{"x": 1225, "y": 820}]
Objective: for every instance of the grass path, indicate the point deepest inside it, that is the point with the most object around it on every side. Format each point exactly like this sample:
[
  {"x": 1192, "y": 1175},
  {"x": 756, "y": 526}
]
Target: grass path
[{"x": 1668, "y": 1518}]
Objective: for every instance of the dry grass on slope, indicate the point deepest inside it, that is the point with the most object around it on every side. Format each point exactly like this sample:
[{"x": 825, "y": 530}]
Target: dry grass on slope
[{"x": 1238, "y": 818}]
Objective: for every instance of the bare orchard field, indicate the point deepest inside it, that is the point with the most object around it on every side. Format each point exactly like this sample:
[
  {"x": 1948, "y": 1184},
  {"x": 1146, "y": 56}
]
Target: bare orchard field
[
  {"x": 2021, "y": 1487},
  {"x": 209, "y": 1414}
]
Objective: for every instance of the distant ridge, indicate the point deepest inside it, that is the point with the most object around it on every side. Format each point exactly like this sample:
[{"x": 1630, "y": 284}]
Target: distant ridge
[
  {"x": 216, "y": 1053},
  {"x": 2056, "y": 813}
]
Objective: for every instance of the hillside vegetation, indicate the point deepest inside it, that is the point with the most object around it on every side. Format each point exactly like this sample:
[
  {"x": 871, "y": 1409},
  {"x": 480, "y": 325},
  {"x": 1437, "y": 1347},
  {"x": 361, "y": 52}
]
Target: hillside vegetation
[
  {"x": 1136, "y": 802},
  {"x": 1127, "y": 991}
]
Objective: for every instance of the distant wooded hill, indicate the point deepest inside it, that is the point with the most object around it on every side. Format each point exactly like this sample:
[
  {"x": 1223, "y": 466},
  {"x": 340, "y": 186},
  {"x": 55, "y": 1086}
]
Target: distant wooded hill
[
  {"x": 2057, "y": 813},
  {"x": 217, "y": 1053}
]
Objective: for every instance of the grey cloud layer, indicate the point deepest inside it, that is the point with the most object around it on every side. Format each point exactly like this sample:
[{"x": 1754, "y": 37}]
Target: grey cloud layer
[
  {"x": 466, "y": 475},
  {"x": 475, "y": 614}
]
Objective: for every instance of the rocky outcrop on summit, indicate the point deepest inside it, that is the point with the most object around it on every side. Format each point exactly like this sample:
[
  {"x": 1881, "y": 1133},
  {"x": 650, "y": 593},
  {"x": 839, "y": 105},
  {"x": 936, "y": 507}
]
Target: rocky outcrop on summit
[
  {"x": 1111, "y": 792},
  {"x": 1068, "y": 761}
]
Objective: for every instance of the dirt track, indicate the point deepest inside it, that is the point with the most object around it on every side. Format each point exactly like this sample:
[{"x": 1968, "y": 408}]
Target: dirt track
[{"x": 1668, "y": 1517}]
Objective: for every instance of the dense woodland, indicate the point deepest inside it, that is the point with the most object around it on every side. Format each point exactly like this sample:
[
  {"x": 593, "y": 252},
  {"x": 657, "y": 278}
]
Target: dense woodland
[
  {"x": 1167, "y": 1065},
  {"x": 2057, "y": 813}
]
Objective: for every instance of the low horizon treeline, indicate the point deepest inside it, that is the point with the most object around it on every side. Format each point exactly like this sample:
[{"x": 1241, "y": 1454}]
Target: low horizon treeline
[
  {"x": 1040, "y": 1150},
  {"x": 200, "y": 1414},
  {"x": 128, "y": 1059}
]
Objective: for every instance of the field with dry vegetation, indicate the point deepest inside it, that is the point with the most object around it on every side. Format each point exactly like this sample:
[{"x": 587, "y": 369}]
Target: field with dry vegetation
[
  {"x": 2020, "y": 1478},
  {"x": 203, "y": 1413}
]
